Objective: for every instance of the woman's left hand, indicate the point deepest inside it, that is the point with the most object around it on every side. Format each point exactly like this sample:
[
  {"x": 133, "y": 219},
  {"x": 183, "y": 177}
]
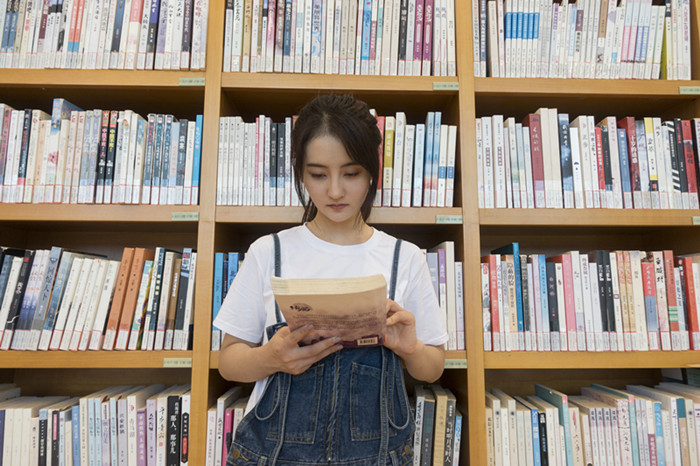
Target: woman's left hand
[{"x": 400, "y": 335}]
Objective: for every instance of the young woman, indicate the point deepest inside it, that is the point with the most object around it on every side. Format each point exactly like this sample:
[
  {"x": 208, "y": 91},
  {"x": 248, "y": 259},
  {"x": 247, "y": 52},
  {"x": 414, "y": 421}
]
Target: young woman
[{"x": 321, "y": 404}]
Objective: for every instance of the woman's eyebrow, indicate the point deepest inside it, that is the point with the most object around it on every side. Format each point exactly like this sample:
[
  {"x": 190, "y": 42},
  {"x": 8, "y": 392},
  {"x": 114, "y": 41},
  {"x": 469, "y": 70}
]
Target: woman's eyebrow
[{"x": 320, "y": 165}]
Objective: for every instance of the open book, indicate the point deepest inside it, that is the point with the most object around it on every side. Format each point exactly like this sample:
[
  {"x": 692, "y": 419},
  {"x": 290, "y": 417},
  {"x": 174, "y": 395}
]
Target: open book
[{"x": 353, "y": 309}]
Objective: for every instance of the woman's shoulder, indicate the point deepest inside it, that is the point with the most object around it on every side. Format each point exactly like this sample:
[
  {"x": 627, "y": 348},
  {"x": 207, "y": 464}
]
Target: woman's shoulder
[
  {"x": 265, "y": 244},
  {"x": 408, "y": 249}
]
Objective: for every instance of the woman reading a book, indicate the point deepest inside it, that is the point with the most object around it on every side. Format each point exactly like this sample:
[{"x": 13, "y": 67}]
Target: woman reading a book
[{"x": 320, "y": 403}]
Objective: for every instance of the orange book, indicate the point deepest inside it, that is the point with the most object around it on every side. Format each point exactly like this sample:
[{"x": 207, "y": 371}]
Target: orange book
[
  {"x": 141, "y": 255},
  {"x": 118, "y": 299}
]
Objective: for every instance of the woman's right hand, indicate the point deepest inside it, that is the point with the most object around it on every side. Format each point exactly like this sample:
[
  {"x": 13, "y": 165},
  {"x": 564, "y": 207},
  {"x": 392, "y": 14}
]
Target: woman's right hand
[{"x": 286, "y": 355}]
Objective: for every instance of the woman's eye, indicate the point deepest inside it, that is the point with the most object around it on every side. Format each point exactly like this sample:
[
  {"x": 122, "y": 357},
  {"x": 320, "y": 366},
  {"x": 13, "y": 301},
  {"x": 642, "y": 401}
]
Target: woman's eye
[
  {"x": 352, "y": 174},
  {"x": 317, "y": 176}
]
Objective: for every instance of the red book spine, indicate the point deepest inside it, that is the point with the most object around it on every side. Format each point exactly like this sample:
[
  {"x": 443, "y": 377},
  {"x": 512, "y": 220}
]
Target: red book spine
[
  {"x": 533, "y": 122},
  {"x": 650, "y": 300},
  {"x": 492, "y": 261},
  {"x": 601, "y": 163},
  {"x": 689, "y": 158},
  {"x": 686, "y": 266}
]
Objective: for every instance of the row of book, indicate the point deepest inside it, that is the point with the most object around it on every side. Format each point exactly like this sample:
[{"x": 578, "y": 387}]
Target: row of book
[
  {"x": 127, "y": 34},
  {"x": 437, "y": 438},
  {"x": 596, "y": 301},
  {"x": 549, "y": 160},
  {"x": 98, "y": 156},
  {"x": 602, "y": 425},
  {"x": 438, "y": 435},
  {"x": 417, "y": 162},
  {"x": 146, "y": 425},
  {"x": 446, "y": 274},
  {"x": 64, "y": 300},
  {"x": 362, "y": 37},
  {"x": 598, "y": 39}
]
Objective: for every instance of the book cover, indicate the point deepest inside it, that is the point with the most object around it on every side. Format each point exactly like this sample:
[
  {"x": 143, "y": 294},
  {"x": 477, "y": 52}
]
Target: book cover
[{"x": 324, "y": 304}]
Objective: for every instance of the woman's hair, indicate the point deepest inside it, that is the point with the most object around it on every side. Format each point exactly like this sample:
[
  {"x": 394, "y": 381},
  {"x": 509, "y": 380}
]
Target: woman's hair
[{"x": 348, "y": 120}]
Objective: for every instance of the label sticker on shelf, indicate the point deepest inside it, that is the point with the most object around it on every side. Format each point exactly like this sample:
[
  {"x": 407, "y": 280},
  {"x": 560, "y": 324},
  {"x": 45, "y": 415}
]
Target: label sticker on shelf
[
  {"x": 177, "y": 362},
  {"x": 689, "y": 90},
  {"x": 696, "y": 220},
  {"x": 192, "y": 81},
  {"x": 448, "y": 219},
  {"x": 184, "y": 216},
  {"x": 445, "y": 86},
  {"x": 455, "y": 363}
]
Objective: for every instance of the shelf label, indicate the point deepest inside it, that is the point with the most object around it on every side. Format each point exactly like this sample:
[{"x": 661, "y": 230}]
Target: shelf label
[
  {"x": 192, "y": 81},
  {"x": 445, "y": 86},
  {"x": 184, "y": 216},
  {"x": 177, "y": 362},
  {"x": 689, "y": 90},
  {"x": 455, "y": 363},
  {"x": 448, "y": 219},
  {"x": 696, "y": 220}
]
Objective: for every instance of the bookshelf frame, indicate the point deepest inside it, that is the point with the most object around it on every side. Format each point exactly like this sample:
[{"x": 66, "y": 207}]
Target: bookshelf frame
[{"x": 221, "y": 94}]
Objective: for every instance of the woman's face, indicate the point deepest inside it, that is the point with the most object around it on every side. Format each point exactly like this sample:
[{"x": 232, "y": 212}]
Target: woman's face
[{"x": 336, "y": 184}]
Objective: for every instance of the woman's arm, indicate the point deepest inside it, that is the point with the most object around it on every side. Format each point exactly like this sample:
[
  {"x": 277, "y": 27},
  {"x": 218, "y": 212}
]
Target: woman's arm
[
  {"x": 242, "y": 361},
  {"x": 423, "y": 362}
]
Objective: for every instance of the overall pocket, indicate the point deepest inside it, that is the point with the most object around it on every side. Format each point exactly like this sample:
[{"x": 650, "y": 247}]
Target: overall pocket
[
  {"x": 365, "y": 396},
  {"x": 303, "y": 405}
]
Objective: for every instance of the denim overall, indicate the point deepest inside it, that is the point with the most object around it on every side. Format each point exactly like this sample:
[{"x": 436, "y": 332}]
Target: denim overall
[{"x": 349, "y": 408}]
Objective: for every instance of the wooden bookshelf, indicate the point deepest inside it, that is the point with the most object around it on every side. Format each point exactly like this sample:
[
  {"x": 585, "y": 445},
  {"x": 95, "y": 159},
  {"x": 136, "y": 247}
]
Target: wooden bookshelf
[{"x": 212, "y": 228}]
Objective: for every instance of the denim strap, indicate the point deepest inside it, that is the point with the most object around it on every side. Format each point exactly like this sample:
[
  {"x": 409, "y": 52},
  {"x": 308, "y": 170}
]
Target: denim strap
[{"x": 278, "y": 272}]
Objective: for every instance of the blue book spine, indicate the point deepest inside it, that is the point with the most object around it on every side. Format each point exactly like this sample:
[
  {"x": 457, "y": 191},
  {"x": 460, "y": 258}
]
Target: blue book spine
[
  {"x": 428, "y": 163},
  {"x": 75, "y": 412},
  {"x": 218, "y": 283},
  {"x": 436, "y": 148},
  {"x": 544, "y": 303},
  {"x": 196, "y": 163},
  {"x": 482, "y": 31},
  {"x": 232, "y": 267},
  {"x": 534, "y": 419},
  {"x": 418, "y": 164},
  {"x": 2, "y": 429},
  {"x": 658, "y": 424},
  {"x": 521, "y": 25},
  {"x": 624, "y": 165},
  {"x": 316, "y": 24},
  {"x": 366, "y": 28},
  {"x": 157, "y": 154},
  {"x": 536, "y": 25},
  {"x": 6, "y": 27},
  {"x": 118, "y": 22},
  {"x": 287, "y": 41}
]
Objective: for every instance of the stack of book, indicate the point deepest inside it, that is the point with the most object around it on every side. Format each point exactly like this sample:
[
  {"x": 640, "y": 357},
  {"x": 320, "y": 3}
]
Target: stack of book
[
  {"x": 596, "y": 301},
  {"x": 145, "y": 424},
  {"x": 417, "y": 162},
  {"x": 222, "y": 422},
  {"x": 225, "y": 269},
  {"x": 126, "y": 34},
  {"x": 98, "y": 156},
  {"x": 550, "y": 161},
  {"x": 637, "y": 425},
  {"x": 446, "y": 274},
  {"x": 587, "y": 39},
  {"x": 367, "y": 37},
  {"x": 438, "y": 435},
  {"x": 63, "y": 300}
]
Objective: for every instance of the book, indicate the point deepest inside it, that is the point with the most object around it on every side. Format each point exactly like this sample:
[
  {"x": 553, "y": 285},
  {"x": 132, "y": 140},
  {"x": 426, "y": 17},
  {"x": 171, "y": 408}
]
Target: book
[{"x": 324, "y": 303}]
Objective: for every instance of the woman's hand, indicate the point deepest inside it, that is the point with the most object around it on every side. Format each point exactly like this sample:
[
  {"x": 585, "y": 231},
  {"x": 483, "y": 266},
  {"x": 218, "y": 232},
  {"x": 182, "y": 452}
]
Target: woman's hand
[
  {"x": 400, "y": 335},
  {"x": 286, "y": 355}
]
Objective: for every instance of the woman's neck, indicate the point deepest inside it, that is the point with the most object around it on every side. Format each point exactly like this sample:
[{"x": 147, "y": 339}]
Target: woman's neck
[{"x": 356, "y": 232}]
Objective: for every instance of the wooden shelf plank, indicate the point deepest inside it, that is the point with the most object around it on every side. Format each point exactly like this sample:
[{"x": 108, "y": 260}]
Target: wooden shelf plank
[
  {"x": 380, "y": 215},
  {"x": 97, "y": 213},
  {"x": 589, "y": 360},
  {"x": 324, "y": 82},
  {"x": 25, "y": 78},
  {"x": 588, "y": 217},
  {"x": 93, "y": 359},
  {"x": 639, "y": 89}
]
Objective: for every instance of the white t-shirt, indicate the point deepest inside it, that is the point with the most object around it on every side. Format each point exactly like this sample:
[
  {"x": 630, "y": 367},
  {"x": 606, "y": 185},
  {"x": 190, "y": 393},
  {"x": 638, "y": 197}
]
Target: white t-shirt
[{"x": 249, "y": 306}]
